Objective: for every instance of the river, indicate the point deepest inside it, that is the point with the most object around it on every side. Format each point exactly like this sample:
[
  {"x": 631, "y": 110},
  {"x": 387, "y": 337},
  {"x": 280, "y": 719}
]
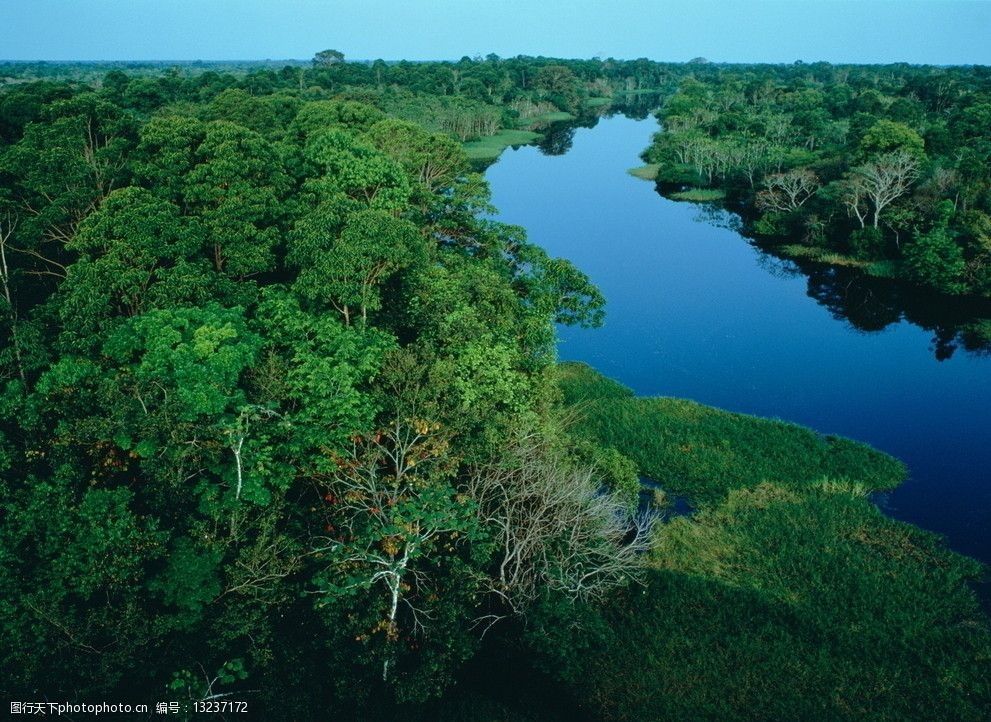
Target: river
[{"x": 695, "y": 310}]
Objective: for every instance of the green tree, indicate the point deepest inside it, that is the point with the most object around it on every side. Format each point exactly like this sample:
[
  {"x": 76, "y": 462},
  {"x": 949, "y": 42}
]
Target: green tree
[
  {"x": 434, "y": 160},
  {"x": 135, "y": 253},
  {"x": 237, "y": 188},
  {"x": 327, "y": 58},
  {"x": 888, "y": 136},
  {"x": 934, "y": 259},
  {"x": 348, "y": 270}
]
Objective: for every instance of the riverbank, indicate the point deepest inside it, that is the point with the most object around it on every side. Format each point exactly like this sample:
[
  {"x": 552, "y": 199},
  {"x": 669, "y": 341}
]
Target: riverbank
[
  {"x": 787, "y": 593},
  {"x": 697, "y": 311},
  {"x": 703, "y": 453},
  {"x": 489, "y": 148}
]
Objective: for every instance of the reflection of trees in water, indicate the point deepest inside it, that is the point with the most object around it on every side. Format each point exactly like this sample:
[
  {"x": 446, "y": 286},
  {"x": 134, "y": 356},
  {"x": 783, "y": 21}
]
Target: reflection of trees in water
[
  {"x": 866, "y": 307},
  {"x": 635, "y": 105},
  {"x": 715, "y": 215},
  {"x": 559, "y": 136},
  {"x": 778, "y": 267},
  {"x": 871, "y": 305}
]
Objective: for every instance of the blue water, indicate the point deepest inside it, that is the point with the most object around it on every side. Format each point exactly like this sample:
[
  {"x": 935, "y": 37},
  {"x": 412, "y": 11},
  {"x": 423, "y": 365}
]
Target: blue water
[{"x": 694, "y": 310}]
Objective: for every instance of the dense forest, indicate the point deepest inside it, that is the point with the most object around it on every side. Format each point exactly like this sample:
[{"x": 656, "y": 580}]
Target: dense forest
[
  {"x": 887, "y": 169},
  {"x": 282, "y": 419}
]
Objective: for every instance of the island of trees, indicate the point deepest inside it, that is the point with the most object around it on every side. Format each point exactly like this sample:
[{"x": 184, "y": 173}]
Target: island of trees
[{"x": 282, "y": 420}]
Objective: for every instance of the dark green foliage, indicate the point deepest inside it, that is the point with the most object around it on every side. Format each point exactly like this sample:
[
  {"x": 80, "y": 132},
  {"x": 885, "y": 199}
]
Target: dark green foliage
[
  {"x": 867, "y": 243},
  {"x": 934, "y": 259},
  {"x": 258, "y": 332},
  {"x": 271, "y": 339},
  {"x": 880, "y": 163},
  {"x": 786, "y": 595}
]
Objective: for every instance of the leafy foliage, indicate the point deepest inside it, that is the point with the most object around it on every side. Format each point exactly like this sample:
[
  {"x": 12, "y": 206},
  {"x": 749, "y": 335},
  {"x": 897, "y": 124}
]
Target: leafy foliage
[{"x": 279, "y": 401}]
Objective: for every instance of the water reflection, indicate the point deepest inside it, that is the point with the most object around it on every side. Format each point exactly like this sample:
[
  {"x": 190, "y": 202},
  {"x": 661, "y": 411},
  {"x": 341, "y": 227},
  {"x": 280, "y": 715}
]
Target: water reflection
[
  {"x": 871, "y": 304},
  {"x": 559, "y": 136}
]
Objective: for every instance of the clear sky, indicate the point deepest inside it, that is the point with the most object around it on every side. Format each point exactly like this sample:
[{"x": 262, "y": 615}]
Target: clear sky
[{"x": 870, "y": 31}]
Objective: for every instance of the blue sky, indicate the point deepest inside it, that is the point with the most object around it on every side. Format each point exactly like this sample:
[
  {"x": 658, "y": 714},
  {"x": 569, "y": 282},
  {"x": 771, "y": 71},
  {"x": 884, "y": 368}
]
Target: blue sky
[{"x": 917, "y": 31}]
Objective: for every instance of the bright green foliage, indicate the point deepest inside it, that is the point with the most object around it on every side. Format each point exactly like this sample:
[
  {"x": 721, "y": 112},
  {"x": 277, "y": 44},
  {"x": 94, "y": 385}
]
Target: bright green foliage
[
  {"x": 238, "y": 106},
  {"x": 322, "y": 115},
  {"x": 237, "y": 187},
  {"x": 433, "y": 159},
  {"x": 190, "y": 359},
  {"x": 347, "y": 271},
  {"x": 166, "y": 153},
  {"x": 355, "y": 169},
  {"x": 315, "y": 371},
  {"x": 135, "y": 253},
  {"x": 887, "y": 136}
]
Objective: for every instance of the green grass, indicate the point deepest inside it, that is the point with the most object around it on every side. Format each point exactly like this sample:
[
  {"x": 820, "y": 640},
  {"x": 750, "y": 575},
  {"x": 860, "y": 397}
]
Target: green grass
[
  {"x": 788, "y": 595},
  {"x": 490, "y": 147},
  {"x": 699, "y": 195},
  {"x": 878, "y": 269},
  {"x": 552, "y": 117},
  {"x": 822, "y": 255},
  {"x": 597, "y": 102},
  {"x": 884, "y": 269},
  {"x": 645, "y": 172},
  {"x": 702, "y": 453},
  {"x": 783, "y": 606}
]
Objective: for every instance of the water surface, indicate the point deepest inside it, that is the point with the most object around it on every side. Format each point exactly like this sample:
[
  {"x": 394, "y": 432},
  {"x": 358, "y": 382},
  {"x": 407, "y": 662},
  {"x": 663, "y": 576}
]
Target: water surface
[{"x": 695, "y": 310}]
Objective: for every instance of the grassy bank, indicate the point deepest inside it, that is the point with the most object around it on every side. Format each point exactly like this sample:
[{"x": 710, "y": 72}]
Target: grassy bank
[
  {"x": 490, "y": 147},
  {"x": 788, "y": 595},
  {"x": 702, "y": 453},
  {"x": 699, "y": 195},
  {"x": 556, "y": 116},
  {"x": 645, "y": 172},
  {"x": 878, "y": 269}
]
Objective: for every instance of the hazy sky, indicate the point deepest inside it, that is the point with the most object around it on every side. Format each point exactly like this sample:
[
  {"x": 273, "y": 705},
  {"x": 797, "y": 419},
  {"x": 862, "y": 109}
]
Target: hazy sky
[{"x": 922, "y": 31}]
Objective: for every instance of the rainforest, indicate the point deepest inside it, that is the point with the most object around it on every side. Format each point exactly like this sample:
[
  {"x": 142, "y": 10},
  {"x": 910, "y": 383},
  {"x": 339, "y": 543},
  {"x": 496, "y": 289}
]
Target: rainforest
[{"x": 302, "y": 406}]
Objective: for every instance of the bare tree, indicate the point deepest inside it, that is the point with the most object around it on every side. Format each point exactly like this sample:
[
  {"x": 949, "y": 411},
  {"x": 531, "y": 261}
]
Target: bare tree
[
  {"x": 885, "y": 179},
  {"x": 555, "y": 526},
  {"x": 787, "y": 192},
  {"x": 238, "y": 434},
  {"x": 752, "y": 156},
  {"x": 854, "y": 197}
]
